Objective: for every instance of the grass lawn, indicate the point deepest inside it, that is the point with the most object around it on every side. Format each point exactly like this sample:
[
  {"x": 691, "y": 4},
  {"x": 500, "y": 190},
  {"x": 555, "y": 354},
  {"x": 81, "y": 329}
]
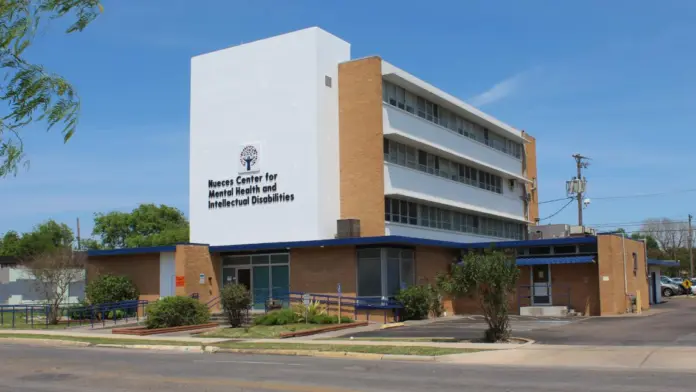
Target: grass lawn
[
  {"x": 399, "y": 350},
  {"x": 98, "y": 340},
  {"x": 260, "y": 331}
]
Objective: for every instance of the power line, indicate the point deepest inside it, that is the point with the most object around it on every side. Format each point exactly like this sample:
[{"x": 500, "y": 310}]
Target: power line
[
  {"x": 559, "y": 211},
  {"x": 555, "y": 200}
]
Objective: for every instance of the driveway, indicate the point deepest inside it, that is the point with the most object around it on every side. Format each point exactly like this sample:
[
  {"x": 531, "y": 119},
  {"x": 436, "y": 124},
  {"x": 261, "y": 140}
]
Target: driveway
[{"x": 673, "y": 324}]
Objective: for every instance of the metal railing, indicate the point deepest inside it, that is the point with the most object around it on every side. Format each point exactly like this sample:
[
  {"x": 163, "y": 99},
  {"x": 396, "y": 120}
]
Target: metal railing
[
  {"x": 389, "y": 307},
  {"x": 40, "y": 316}
]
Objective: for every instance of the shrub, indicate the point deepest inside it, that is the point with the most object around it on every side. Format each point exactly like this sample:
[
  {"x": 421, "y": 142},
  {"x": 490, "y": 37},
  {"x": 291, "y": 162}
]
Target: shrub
[
  {"x": 235, "y": 300},
  {"x": 419, "y": 302},
  {"x": 111, "y": 288},
  {"x": 491, "y": 278},
  {"x": 175, "y": 312},
  {"x": 326, "y": 319},
  {"x": 309, "y": 311},
  {"x": 277, "y": 317}
]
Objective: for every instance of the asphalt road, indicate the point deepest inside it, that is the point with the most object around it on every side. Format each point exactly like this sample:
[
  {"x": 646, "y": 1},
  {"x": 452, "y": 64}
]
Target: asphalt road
[
  {"x": 27, "y": 368},
  {"x": 674, "y": 326}
]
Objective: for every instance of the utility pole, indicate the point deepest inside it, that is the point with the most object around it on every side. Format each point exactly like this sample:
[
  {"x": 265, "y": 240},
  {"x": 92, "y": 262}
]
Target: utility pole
[
  {"x": 576, "y": 187},
  {"x": 691, "y": 246},
  {"x": 79, "y": 243}
]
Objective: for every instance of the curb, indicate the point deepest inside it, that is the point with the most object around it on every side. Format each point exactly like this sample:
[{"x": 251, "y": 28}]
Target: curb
[
  {"x": 392, "y": 325},
  {"x": 190, "y": 349},
  {"x": 326, "y": 354},
  {"x": 54, "y": 342}
]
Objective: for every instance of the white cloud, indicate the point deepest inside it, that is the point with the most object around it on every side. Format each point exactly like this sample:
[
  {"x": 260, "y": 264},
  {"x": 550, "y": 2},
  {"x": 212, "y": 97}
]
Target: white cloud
[{"x": 500, "y": 90}]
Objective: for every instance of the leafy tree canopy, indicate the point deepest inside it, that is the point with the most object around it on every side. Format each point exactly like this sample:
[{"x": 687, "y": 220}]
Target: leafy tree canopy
[
  {"x": 45, "y": 238},
  {"x": 147, "y": 225},
  {"x": 30, "y": 92}
]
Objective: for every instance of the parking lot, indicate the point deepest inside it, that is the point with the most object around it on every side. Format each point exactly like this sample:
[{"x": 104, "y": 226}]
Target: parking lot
[{"x": 669, "y": 324}]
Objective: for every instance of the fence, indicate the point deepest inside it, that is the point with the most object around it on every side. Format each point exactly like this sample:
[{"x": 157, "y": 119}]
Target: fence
[{"x": 39, "y": 316}]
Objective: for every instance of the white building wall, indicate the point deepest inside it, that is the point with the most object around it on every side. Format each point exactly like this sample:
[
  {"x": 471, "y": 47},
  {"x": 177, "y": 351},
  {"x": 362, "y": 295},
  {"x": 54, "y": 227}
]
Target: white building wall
[
  {"x": 399, "y": 229},
  {"x": 272, "y": 94},
  {"x": 167, "y": 274},
  {"x": 420, "y": 132},
  {"x": 407, "y": 182}
]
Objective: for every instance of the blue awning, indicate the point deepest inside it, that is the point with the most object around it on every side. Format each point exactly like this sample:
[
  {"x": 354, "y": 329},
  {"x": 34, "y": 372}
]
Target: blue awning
[
  {"x": 555, "y": 260},
  {"x": 663, "y": 263}
]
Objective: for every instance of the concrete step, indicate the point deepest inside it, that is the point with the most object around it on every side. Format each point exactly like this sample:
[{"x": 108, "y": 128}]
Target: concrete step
[{"x": 544, "y": 311}]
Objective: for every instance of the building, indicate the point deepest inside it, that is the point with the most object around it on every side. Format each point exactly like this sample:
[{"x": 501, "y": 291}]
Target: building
[
  {"x": 314, "y": 172},
  {"x": 18, "y": 287}
]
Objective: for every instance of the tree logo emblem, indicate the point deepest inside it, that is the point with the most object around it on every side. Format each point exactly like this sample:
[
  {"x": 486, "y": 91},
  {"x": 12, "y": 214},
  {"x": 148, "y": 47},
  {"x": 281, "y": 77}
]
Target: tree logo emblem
[{"x": 248, "y": 157}]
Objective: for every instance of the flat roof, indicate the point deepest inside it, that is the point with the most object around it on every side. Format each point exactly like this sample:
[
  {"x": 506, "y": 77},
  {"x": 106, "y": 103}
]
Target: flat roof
[
  {"x": 357, "y": 241},
  {"x": 663, "y": 263}
]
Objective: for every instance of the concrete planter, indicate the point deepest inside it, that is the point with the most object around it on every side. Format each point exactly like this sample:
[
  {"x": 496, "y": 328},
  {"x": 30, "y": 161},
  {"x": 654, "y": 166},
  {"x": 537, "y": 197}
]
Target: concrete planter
[{"x": 143, "y": 331}]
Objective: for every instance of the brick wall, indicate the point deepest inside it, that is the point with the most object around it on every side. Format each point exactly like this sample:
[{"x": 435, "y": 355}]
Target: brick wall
[
  {"x": 579, "y": 281},
  {"x": 143, "y": 270},
  {"x": 611, "y": 273},
  {"x": 361, "y": 154},
  {"x": 530, "y": 165},
  {"x": 193, "y": 260}
]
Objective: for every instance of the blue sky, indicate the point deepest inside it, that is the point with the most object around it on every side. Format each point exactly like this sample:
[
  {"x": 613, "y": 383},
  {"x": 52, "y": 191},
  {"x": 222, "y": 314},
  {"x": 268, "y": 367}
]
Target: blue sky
[{"x": 614, "y": 81}]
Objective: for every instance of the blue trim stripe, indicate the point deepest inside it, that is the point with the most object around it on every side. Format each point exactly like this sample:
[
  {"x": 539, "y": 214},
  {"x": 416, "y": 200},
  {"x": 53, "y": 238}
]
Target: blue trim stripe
[
  {"x": 555, "y": 260},
  {"x": 358, "y": 241},
  {"x": 663, "y": 263}
]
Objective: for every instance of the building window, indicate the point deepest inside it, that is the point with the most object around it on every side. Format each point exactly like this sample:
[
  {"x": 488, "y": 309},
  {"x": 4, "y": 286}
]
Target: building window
[
  {"x": 401, "y": 211},
  {"x": 635, "y": 264},
  {"x": 411, "y": 103},
  {"x": 411, "y": 157},
  {"x": 382, "y": 272}
]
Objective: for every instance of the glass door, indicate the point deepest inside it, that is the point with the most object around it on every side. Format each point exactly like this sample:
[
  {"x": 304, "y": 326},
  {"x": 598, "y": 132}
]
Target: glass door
[
  {"x": 261, "y": 286},
  {"x": 229, "y": 276}
]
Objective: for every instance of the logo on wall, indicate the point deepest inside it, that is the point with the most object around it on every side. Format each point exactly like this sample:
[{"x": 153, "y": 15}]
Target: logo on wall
[{"x": 249, "y": 158}]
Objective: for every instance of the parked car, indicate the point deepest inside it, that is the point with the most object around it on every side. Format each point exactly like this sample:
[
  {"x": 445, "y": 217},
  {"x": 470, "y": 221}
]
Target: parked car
[{"x": 669, "y": 288}]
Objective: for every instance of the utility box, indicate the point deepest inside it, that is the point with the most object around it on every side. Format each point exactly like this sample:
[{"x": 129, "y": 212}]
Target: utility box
[{"x": 348, "y": 228}]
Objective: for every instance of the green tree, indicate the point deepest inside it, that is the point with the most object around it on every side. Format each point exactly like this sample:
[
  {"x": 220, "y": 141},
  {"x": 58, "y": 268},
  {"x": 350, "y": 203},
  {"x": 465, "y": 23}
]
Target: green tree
[
  {"x": 650, "y": 241},
  {"x": 31, "y": 93},
  {"x": 111, "y": 288},
  {"x": 147, "y": 225},
  {"x": 489, "y": 277},
  {"x": 44, "y": 238},
  {"x": 10, "y": 244}
]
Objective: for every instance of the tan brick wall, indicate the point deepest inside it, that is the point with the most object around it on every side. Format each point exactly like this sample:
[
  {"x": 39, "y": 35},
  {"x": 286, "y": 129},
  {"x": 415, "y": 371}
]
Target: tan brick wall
[
  {"x": 431, "y": 261},
  {"x": 143, "y": 270},
  {"x": 192, "y": 260},
  {"x": 576, "y": 285},
  {"x": 611, "y": 266},
  {"x": 361, "y": 154},
  {"x": 530, "y": 164},
  {"x": 319, "y": 270}
]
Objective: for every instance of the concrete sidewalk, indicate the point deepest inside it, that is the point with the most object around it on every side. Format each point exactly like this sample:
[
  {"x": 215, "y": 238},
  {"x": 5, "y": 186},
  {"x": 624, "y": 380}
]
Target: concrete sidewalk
[
  {"x": 621, "y": 357},
  {"x": 102, "y": 335}
]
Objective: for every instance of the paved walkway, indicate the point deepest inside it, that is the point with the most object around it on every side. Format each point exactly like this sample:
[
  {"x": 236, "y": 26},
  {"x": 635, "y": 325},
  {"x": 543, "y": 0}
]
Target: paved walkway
[{"x": 104, "y": 335}]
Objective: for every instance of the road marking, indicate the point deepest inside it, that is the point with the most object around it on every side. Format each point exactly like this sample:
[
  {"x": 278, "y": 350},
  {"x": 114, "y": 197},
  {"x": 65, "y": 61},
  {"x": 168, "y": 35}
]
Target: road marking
[{"x": 251, "y": 362}]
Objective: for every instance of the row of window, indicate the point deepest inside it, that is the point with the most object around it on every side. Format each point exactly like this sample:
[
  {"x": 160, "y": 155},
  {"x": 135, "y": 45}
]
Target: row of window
[
  {"x": 405, "y": 100},
  {"x": 408, "y": 156},
  {"x": 382, "y": 272},
  {"x": 410, "y": 213}
]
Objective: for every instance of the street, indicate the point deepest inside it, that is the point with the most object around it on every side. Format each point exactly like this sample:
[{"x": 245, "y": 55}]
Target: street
[
  {"x": 32, "y": 368},
  {"x": 671, "y": 325}
]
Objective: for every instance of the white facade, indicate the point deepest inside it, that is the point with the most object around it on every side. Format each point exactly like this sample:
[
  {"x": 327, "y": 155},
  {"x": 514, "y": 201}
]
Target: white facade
[
  {"x": 264, "y": 154},
  {"x": 167, "y": 274},
  {"x": 272, "y": 94}
]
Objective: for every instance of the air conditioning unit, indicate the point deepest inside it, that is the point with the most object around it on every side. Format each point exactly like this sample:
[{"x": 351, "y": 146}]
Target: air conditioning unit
[
  {"x": 347, "y": 228},
  {"x": 548, "y": 231},
  {"x": 581, "y": 231}
]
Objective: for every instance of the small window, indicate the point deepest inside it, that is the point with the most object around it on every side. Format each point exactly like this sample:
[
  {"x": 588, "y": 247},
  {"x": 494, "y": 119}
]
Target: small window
[
  {"x": 327, "y": 80},
  {"x": 635, "y": 264},
  {"x": 562, "y": 250}
]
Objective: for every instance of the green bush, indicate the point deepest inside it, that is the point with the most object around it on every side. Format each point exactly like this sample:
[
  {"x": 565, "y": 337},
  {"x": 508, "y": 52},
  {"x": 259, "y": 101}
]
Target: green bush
[
  {"x": 235, "y": 300},
  {"x": 326, "y": 319},
  {"x": 277, "y": 317},
  {"x": 175, "y": 312},
  {"x": 111, "y": 288},
  {"x": 79, "y": 311},
  {"x": 419, "y": 302}
]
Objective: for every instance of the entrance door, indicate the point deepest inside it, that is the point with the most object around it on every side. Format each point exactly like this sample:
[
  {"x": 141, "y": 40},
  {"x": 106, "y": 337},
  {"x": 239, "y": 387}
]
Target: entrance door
[
  {"x": 262, "y": 289},
  {"x": 229, "y": 276},
  {"x": 244, "y": 277},
  {"x": 541, "y": 285}
]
